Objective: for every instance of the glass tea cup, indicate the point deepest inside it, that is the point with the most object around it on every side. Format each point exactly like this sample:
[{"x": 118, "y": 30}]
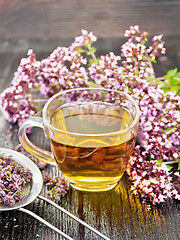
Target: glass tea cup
[{"x": 92, "y": 133}]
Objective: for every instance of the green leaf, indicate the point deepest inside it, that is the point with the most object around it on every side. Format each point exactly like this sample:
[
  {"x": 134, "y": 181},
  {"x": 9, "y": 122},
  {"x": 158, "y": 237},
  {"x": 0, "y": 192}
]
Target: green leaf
[
  {"x": 92, "y": 84},
  {"x": 169, "y": 167},
  {"x": 91, "y": 61},
  {"x": 171, "y": 81},
  {"x": 179, "y": 165},
  {"x": 153, "y": 60},
  {"x": 130, "y": 89},
  {"x": 103, "y": 95},
  {"x": 174, "y": 81},
  {"x": 178, "y": 74},
  {"x": 171, "y": 72},
  {"x": 167, "y": 130},
  {"x": 79, "y": 50},
  {"x": 149, "y": 79},
  {"x": 93, "y": 49},
  {"x": 159, "y": 161},
  {"x": 173, "y": 89}
]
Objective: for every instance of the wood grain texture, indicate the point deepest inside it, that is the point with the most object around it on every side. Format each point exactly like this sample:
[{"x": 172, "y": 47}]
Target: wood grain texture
[
  {"x": 117, "y": 213},
  {"x": 49, "y": 19}
]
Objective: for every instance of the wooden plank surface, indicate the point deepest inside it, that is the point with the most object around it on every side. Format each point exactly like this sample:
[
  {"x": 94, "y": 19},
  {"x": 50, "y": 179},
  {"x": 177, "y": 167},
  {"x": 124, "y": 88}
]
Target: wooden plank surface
[
  {"x": 49, "y": 19},
  {"x": 116, "y": 213}
]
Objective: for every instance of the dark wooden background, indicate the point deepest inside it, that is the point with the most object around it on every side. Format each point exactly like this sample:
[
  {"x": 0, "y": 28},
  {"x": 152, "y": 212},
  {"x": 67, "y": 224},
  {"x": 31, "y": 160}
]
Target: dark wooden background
[
  {"x": 49, "y": 19},
  {"x": 45, "y": 24}
]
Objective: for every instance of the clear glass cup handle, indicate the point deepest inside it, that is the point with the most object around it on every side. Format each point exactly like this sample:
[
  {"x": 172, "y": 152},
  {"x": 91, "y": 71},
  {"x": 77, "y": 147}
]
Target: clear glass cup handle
[{"x": 36, "y": 151}]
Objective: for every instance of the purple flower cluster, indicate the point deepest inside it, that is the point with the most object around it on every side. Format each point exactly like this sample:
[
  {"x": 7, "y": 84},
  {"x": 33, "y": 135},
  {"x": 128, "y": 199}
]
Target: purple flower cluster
[
  {"x": 57, "y": 187},
  {"x": 106, "y": 72},
  {"x": 62, "y": 70},
  {"x": 16, "y": 102},
  {"x": 159, "y": 125},
  {"x": 150, "y": 179},
  {"x": 85, "y": 40},
  {"x": 12, "y": 179}
]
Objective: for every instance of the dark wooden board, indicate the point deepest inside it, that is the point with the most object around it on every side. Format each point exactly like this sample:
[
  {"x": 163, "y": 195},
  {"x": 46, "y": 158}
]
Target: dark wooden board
[{"x": 106, "y": 18}]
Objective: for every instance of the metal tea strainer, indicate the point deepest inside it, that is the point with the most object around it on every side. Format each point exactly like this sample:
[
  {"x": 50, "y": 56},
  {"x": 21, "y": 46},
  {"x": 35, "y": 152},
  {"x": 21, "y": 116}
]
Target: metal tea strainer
[{"x": 32, "y": 191}]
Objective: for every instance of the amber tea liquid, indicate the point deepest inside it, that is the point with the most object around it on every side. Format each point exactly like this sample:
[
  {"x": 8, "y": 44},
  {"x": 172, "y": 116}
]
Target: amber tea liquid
[{"x": 88, "y": 157}]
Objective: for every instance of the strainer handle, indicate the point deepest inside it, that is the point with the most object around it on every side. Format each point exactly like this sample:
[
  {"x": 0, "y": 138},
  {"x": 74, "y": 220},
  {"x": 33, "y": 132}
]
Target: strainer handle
[
  {"x": 74, "y": 217},
  {"x": 45, "y": 222},
  {"x": 36, "y": 151}
]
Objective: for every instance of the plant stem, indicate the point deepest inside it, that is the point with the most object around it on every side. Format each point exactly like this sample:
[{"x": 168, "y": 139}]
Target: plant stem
[
  {"x": 39, "y": 100},
  {"x": 149, "y": 61},
  {"x": 92, "y": 54},
  {"x": 35, "y": 90},
  {"x": 171, "y": 162}
]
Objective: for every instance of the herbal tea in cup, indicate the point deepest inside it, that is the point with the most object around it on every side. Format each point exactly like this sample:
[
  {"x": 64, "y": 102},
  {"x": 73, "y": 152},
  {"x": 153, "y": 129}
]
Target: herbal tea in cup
[{"x": 92, "y": 133}]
